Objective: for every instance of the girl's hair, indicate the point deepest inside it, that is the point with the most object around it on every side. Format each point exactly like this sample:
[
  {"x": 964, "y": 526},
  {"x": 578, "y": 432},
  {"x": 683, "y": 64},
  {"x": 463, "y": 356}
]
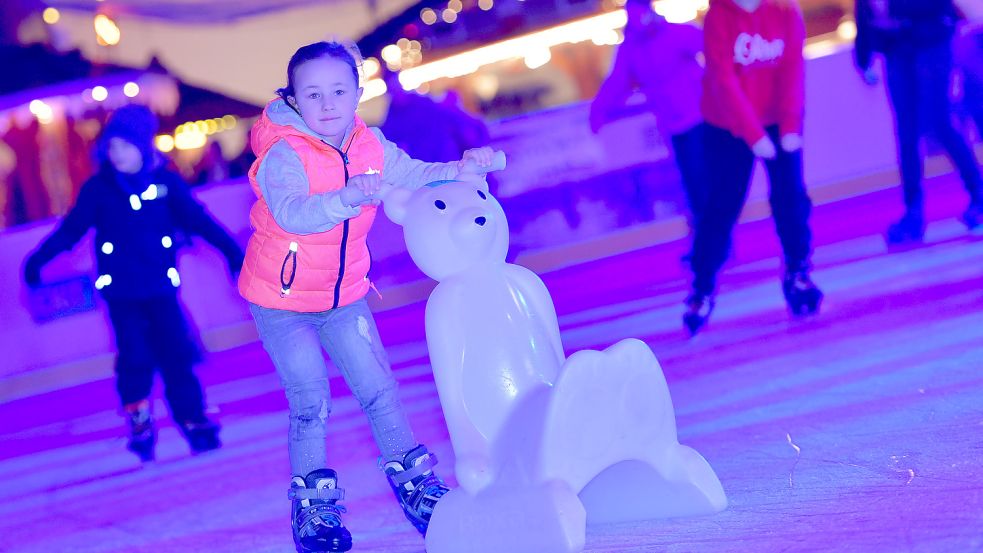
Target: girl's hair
[{"x": 347, "y": 53}]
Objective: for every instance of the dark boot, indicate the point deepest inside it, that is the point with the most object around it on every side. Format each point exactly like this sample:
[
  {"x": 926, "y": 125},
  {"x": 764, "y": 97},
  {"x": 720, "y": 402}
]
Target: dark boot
[
  {"x": 801, "y": 294},
  {"x": 910, "y": 228},
  {"x": 698, "y": 309},
  {"x": 973, "y": 216},
  {"x": 202, "y": 435},
  {"x": 142, "y": 437}
]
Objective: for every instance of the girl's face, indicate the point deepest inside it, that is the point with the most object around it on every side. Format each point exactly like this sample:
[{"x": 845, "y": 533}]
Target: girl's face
[
  {"x": 327, "y": 96},
  {"x": 125, "y": 157}
]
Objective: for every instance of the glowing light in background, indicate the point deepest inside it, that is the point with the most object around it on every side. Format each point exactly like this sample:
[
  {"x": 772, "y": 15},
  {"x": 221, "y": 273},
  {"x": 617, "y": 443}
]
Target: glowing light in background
[
  {"x": 370, "y": 67},
  {"x": 486, "y": 5},
  {"x": 373, "y": 89},
  {"x": 164, "y": 143},
  {"x": 193, "y": 134},
  {"x": 107, "y": 248},
  {"x": 392, "y": 53},
  {"x": 42, "y": 111},
  {"x": 99, "y": 93},
  {"x": 847, "y": 29},
  {"x": 485, "y": 86},
  {"x": 189, "y": 138},
  {"x": 608, "y": 37},
  {"x": 516, "y": 48},
  {"x": 50, "y": 16},
  {"x": 428, "y": 16},
  {"x": 538, "y": 58},
  {"x": 680, "y": 11},
  {"x": 131, "y": 89},
  {"x": 107, "y": 33},
  {"x": 449, "y": 15}
]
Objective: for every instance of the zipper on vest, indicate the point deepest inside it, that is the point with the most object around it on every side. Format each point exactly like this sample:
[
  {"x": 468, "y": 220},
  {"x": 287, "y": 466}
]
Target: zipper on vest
[
  {"x": 287, "y": 282},
  {"x": 344, "y": 232}
]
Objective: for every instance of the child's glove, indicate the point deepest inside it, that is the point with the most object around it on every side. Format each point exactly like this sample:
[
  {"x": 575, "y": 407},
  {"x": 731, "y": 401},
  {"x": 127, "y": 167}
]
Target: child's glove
[
  {"x": 764, "y": 148},
  {"x": 792, "y": 142}
]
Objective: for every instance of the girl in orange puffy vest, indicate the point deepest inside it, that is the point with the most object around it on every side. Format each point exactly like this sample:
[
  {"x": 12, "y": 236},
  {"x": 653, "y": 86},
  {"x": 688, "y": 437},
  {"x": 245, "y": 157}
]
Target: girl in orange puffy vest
[{"x": 305, "y": 276}]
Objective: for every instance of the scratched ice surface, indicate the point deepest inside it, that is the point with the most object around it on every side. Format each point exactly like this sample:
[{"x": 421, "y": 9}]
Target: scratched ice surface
[{"x": 859, "y": 431}]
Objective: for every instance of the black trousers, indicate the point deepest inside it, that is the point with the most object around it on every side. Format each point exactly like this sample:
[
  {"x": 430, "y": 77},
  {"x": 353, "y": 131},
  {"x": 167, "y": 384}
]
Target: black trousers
[
  {"x": 152, "y": 334},
  {"x": 730, "y": 163},
  {"x": 691, "y": 160},
  {"x": 918, "y": 83},
  {"x": 973, "y": 85}
]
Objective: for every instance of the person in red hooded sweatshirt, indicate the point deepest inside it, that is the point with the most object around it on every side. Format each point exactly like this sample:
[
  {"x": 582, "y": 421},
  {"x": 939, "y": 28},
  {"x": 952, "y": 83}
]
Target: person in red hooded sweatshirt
[{"x": 753, "y": 95}]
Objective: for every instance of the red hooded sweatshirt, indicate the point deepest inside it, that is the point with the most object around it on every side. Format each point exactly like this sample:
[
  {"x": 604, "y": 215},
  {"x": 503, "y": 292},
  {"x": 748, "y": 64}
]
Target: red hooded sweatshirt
[{"x": 754, "y": 75}]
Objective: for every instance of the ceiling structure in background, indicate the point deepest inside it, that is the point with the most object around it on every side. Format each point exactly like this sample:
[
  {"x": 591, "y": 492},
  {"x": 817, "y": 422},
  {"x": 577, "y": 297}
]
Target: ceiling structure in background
[
  {"x": 240, "y": 48},
  {"x": 237, "y": 47},
  {"x": 185, "y": 11}
]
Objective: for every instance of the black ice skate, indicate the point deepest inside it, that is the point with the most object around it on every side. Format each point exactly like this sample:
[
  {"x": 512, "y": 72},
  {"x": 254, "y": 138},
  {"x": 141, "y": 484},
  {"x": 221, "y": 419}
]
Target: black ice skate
[
  {"x": 142, "y": 435},
  {"x": 801, "y": 294},
  {"x": 698, "y": 309},
  {"x": 909, "y": 229},
  {"x": 416, "y": 486},
  {"x": 973, "y": 216},
  {"x": 316, "y": 520},
  {"x": 202, "y": 435}
]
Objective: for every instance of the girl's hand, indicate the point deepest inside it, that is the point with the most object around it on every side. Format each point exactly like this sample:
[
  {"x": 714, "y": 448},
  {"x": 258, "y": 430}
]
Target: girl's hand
[
  {"x": 482, "y": 157},
  {"x": 361, "y": 188}
]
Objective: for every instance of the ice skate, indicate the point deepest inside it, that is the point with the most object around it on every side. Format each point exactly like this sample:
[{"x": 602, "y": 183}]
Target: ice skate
[
  {"x": 316, "y": 521},
  {"x": 698, "y": 309},
  {"x": 973, "y": 216},
  {"x": 142, "y": 437},
  {"x": 416, "y": 486},
  {"x": 908, "y": 230},
  {"x": 202, "y": 435},
  {"x": 801, "y": 294}
]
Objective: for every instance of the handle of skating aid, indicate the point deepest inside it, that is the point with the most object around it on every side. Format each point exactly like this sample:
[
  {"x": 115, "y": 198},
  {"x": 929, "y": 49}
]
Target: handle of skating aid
[{"x": 497, "y": 164}]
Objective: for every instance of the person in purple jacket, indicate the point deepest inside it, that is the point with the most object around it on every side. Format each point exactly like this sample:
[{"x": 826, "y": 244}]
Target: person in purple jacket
[{"x": 663, "y": 61}]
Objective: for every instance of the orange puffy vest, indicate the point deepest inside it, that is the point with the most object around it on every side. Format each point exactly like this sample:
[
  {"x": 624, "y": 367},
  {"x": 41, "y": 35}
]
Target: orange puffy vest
[{"x": 314, "y": 272}]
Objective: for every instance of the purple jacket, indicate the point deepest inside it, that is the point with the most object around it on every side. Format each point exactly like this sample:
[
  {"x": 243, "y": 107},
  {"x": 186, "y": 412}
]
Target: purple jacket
[{"x": 663, "y": 61}]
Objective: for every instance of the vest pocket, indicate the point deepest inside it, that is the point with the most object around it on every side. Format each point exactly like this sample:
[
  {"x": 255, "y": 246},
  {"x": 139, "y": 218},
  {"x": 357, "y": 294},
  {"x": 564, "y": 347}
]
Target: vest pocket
[{"x": 287, "y": 276}]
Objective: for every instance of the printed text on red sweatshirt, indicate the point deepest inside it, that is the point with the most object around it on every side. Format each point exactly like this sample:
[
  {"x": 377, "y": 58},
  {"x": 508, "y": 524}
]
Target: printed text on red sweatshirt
[{"x": 754, "y": 76}]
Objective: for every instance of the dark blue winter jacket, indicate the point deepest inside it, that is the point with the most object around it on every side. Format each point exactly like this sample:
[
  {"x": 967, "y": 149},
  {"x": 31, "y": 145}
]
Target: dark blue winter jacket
[
  {"x": 137, "y": 219},
  {"x": 908, "y": 26}
]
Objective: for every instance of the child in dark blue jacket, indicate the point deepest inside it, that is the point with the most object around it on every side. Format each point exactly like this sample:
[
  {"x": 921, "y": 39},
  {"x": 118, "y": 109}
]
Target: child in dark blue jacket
[{"x": 137, "y": 206}]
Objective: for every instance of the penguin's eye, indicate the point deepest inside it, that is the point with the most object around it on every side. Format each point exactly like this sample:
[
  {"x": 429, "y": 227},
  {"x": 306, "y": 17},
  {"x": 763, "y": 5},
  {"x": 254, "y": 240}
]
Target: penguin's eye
[{"x": 440, "y": 205}]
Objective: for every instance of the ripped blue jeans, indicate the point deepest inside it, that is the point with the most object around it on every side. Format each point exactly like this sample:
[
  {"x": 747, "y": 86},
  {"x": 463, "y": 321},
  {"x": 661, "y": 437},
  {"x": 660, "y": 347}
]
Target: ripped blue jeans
[{"x": 349, "y": 335}]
